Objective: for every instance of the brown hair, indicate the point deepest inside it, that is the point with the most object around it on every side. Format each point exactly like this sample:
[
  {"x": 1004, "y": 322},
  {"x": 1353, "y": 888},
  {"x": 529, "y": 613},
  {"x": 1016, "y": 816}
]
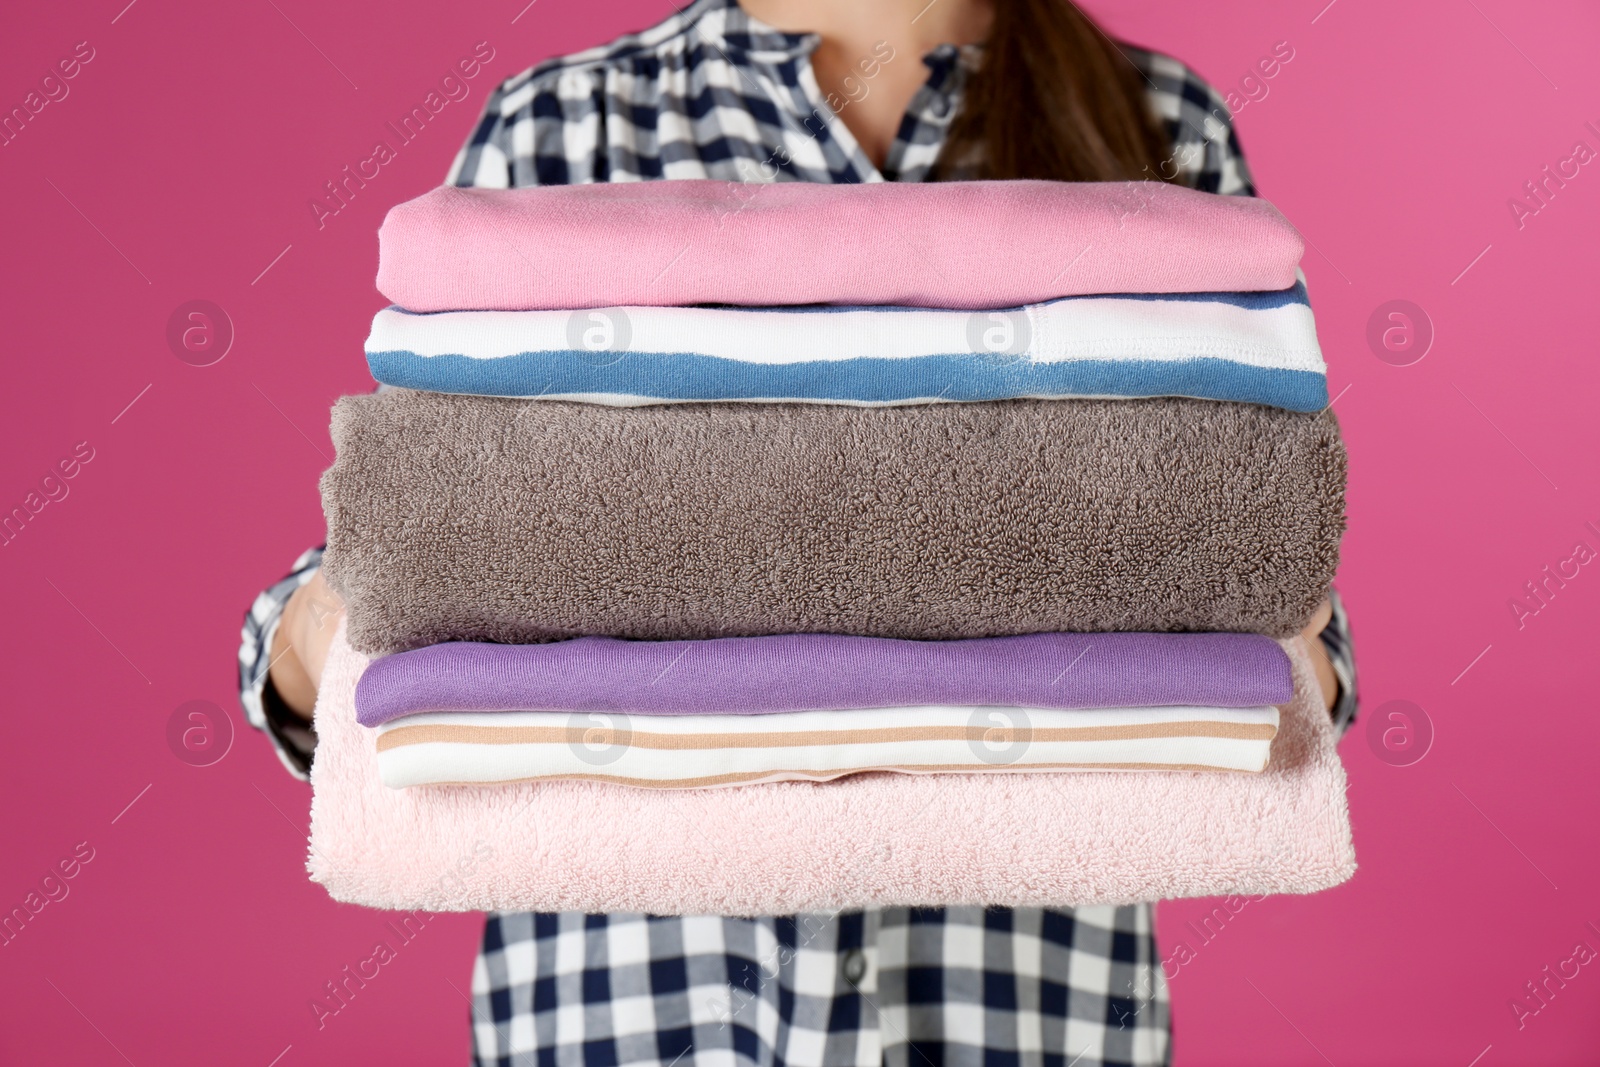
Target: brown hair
[{"x": 1054, "y": 98}]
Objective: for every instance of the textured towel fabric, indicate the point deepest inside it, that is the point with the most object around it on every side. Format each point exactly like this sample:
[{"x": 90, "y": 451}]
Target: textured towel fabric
[
  {"x": 706, "y": 751},
  {"x": 1253, "y": 347},
  {"x": 937, "y": 244},
  {"x": 484, "y": 519},
  {"x": 820, "y": 672},
  {"x": 869, "y": 840}
]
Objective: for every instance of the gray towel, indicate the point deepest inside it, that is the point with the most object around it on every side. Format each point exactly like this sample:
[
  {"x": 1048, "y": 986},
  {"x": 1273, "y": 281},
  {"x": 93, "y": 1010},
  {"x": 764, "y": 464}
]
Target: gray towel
[{"x": 486, "y": 519}]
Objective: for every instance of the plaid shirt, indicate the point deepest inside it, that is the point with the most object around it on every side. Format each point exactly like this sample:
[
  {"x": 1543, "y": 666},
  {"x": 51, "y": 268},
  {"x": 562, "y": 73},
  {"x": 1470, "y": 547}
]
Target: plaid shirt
[{"x": 711, "y": 93}]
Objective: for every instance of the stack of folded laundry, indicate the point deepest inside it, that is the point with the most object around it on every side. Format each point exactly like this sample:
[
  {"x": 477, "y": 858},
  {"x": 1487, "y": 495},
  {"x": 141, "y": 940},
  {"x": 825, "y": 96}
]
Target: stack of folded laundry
[{"x": 751, "y": 549}]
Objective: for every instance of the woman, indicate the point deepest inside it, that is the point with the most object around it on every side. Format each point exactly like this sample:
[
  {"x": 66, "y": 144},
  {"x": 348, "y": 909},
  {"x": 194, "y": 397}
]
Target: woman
[{"x": 827, "y": 91}]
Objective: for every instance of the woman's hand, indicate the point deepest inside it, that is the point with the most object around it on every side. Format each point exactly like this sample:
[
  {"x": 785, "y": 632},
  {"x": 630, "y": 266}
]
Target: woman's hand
[
  {"x": 300, "y": 646},
  {"x": 1326, "y": 679}
]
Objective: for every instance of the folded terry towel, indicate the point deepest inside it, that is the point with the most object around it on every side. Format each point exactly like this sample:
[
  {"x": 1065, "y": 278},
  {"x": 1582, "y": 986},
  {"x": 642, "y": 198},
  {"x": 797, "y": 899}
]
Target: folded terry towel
[
  {"x": 819, "y": 672},
  {"x": 1255, "y": 347},
  {"x": 867, "y": 840},
  {"x": 485, "y": 519},
  {"x": 937, "y": 244},
  {"x": 700, "y": 751}
]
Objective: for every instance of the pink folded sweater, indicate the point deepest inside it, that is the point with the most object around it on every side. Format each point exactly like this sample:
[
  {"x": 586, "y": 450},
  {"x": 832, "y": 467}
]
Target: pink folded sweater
[
  {"x": 941, "y": 244},
  {"x": 870, "y": 840}
]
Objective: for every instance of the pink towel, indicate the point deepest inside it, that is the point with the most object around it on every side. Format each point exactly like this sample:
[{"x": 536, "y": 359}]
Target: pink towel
[
  {"x": 942, "y": 244},
  {"x": 870, "y": 840}
]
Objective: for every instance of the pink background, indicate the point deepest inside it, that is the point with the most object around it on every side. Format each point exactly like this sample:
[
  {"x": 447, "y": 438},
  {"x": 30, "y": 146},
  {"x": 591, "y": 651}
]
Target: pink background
[{"x": 180, "y": 166}]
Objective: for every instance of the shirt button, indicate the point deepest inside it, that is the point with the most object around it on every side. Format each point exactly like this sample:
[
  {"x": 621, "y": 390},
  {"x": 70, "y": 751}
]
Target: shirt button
[{"x": 855, "y": 966}]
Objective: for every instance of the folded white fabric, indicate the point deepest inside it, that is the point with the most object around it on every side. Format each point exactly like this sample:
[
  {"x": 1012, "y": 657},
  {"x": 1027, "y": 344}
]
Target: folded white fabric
[
  {"x": 698, "y": 751},
  {"x": 1253, "y": 347}
]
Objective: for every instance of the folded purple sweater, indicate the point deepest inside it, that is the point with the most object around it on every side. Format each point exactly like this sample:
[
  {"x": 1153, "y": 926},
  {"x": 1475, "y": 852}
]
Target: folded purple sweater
[{"x": 827, "y": 672}]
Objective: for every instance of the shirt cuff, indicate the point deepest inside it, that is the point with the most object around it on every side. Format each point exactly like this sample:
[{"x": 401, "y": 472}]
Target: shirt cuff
[
  {"x": 292, "y": 736},
  {"x": 1335, "y": 638}
]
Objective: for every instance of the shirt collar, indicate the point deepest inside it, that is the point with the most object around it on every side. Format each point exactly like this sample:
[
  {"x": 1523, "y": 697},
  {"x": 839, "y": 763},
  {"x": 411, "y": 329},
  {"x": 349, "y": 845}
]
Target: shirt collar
[
  {"x": 743, "y": 36},
  {"x": 745, "y": 39}
]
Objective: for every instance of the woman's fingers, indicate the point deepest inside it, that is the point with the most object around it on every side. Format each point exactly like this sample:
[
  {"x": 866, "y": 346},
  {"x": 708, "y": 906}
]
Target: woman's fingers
[
  {"x": 1319, "y": 619},
  {"x": 317, "y": 616},
  {"x": 1327, "y": 680}
]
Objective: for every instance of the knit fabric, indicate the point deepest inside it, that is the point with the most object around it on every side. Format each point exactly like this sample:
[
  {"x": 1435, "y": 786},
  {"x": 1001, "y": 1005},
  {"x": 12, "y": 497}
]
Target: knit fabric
[
  {"x": 482, "y": 519},
  {"x": 713, "y": 751},
  {"x": 1252, "y": 347},
  {"x": 820, "y": 672},
  {"x": 971, "y": 244}
]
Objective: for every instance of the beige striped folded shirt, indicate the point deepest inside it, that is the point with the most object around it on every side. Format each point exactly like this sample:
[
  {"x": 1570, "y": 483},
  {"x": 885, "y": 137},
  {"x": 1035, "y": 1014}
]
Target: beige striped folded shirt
[{"x": 697, "y": 751}]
